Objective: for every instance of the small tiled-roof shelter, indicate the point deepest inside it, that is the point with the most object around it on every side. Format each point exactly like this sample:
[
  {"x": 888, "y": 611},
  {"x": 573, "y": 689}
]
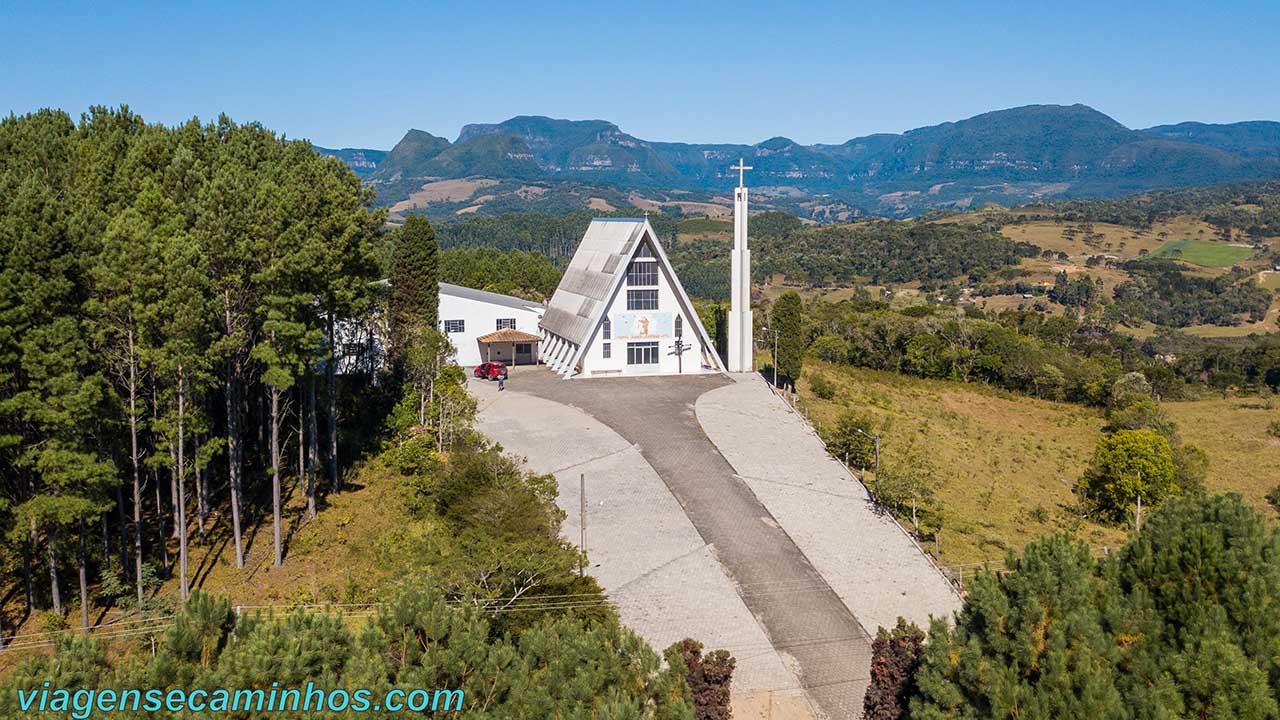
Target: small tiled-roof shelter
[{"x": 505, "y": 336}]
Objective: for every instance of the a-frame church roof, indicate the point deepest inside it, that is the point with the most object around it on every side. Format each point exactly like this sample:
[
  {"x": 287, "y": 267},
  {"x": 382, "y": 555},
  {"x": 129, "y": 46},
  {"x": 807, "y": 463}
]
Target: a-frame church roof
[{"x": 596, "y": 272}]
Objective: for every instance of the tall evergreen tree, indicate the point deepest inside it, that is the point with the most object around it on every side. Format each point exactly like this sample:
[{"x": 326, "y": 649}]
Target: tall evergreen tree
[
  {"x": 415, "y": 282},
  {"x": 786, "y": 318},
  {"x": 127, "y": 285}
]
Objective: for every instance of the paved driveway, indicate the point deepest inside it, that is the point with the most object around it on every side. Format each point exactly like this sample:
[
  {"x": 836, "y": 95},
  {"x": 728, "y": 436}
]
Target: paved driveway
[
  {"x": 803, "y": 617},
  {"x": 664, "y": 579}
]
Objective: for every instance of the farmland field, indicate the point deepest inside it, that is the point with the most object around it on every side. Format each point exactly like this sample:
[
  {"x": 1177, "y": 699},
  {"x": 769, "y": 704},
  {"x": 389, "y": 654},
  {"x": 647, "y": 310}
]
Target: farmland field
[{"x": 1207, "y": 254}]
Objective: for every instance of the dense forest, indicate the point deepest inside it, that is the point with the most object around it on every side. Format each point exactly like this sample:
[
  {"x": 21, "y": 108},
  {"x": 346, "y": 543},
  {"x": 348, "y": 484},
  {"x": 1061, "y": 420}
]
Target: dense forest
[
  {"x": 886, "y": 252},
  {"x": 515, "y": 272},
  {"x": 1160, "y": 292},
  {"x": 555, "y": 236},
  {"x": 169, "y": 298},
  {"x": 879, "y": 252}
]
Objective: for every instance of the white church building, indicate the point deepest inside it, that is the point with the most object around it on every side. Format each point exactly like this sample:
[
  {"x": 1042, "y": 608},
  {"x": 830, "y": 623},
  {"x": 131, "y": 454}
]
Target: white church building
[{"x": 620, "y": 310}]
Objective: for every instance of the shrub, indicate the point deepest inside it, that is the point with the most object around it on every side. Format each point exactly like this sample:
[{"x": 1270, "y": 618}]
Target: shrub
[
  {"x": 895, "y": 655},
  {"x": 708, "y": 678},
  {"x": 1190, "y": 468},
  {"x": 822, "y": 387},
  {"x": 851, "y": 440},
  {"x": 830, "y": 348},
  {"x": 1274, "y": 429}
]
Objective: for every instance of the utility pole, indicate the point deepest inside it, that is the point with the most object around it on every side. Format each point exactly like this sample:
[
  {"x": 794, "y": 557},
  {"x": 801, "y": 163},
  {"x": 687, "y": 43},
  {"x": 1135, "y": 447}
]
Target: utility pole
[
  {"x": 582, "y": 524},
  {"x": 766, "y": 329},
  {"x": 875, "y": 439},
  {"x": 1137, "y": 518},
  {"x": 876, "y": 492}
]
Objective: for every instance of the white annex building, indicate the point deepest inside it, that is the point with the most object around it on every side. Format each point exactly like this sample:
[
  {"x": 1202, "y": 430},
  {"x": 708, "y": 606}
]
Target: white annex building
[
  {"x": 620, "y": 310},
  {"x": 486, "y": 326}
]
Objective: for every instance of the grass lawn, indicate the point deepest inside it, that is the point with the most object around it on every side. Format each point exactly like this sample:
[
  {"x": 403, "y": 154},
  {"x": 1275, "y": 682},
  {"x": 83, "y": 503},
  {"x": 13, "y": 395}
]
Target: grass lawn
[
  {"x": 335, "y": 558},
  {"x": 1004, "y": 465},
  {"x": 1269, "y": 279},
  {"x": 1207, "y": 254},
  {"x": 1243, "y": 458}
]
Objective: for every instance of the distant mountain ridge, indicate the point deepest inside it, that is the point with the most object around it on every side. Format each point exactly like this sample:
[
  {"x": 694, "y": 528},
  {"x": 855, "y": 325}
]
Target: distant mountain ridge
[
  {"x": 361, "y": 160},
  {"x": 1006, "y": 156},
  {"x": 1255, "y": 138}
]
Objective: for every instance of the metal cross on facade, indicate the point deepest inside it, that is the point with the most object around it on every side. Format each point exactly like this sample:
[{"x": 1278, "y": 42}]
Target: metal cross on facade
[{"x": 741, "y": 167}]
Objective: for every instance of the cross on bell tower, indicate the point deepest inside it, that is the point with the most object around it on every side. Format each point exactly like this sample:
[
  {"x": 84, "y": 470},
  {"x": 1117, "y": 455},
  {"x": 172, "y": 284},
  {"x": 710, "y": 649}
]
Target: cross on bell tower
[{"x": 741, "y": 355}]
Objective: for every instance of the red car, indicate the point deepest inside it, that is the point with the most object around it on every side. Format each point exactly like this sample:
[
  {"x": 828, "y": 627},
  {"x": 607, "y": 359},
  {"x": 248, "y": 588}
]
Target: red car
[{"x": 491, "y": 371}]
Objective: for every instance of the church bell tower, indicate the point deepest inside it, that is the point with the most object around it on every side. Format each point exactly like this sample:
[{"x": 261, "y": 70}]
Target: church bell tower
[{"x": 741, "y": 330}]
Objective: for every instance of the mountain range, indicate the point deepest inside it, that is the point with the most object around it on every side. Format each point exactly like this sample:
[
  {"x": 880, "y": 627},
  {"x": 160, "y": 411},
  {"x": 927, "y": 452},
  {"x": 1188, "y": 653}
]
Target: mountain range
[{"x": 1005, "y": 156}]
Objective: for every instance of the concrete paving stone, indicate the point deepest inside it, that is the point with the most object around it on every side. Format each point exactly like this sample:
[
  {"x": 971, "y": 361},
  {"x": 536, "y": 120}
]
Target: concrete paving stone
[{"x": 868, "y": 559}]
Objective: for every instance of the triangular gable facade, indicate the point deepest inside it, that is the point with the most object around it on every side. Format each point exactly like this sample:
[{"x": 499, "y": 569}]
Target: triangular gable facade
[{"x": 620, "y": 309}]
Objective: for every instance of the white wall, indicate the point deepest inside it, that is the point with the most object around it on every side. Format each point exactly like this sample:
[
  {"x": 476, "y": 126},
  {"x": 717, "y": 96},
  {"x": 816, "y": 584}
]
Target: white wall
[
  {"x": 594, "y": 362},
  {"x": 480, "y": 318}
]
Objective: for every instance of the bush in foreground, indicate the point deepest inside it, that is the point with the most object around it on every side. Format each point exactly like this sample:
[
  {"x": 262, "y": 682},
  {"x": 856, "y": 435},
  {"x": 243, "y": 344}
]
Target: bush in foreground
[{"x": 1181, "y": 623}]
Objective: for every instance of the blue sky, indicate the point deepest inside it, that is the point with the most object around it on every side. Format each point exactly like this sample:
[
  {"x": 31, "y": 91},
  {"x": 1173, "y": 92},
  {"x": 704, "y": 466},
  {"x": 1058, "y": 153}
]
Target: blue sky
[{"x": 360, "y": 74}]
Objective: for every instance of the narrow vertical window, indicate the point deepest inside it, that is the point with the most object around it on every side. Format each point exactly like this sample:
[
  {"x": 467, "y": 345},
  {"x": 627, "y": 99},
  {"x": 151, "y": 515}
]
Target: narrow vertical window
[
  {"x": 679, "y": 326},
  {"x": 608, "y": 330}
]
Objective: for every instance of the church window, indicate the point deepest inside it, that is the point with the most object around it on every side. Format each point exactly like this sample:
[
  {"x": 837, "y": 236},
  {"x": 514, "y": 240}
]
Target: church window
[
  {"x": 644, "y": 251},
  {"x": 607, "y": 330},
  {"x": 506, "y": 323},
  {"x": 606, "y": 349},
  {"x": 642, "y": 273},
  {"x": 642, "y": 299},
  {"x": 642, "y": 353},
  {"x": 679, "y": 326}
]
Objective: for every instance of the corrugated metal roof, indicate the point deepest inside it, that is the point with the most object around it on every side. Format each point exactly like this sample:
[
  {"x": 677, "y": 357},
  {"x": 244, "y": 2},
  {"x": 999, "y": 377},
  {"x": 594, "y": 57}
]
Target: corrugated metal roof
[
  {"x": 591, "y": 276},
  {"x": 489, "y": 297}
]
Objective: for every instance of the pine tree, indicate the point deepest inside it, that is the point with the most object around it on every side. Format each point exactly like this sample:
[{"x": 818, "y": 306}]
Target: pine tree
[
  {"x": 415, "y": 283},
  {"x": 1038, "y": 636},
  {"x": 127, "y": 279},
  {"x": 1196, "y": 577},
  {"x": 182, "y": 362}
]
